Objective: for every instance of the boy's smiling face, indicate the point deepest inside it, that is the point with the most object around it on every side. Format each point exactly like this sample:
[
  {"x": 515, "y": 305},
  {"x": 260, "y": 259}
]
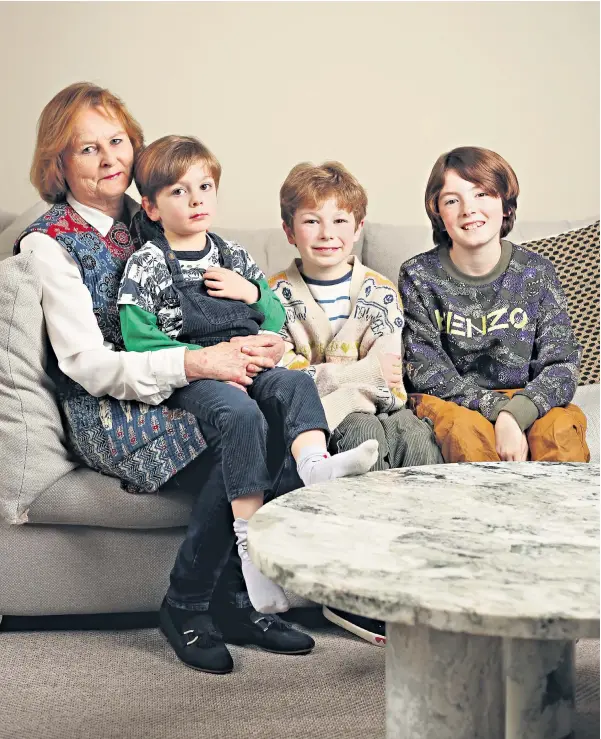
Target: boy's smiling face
[
  {"x": 472, "y": 218},
  {"x": 187, "y": 207},
  {"x": 324, "y": 236}
]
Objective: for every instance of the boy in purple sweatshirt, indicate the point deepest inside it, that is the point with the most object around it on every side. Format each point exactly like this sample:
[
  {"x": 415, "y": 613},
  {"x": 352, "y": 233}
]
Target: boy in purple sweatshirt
[{"x": 490, "y": 354}]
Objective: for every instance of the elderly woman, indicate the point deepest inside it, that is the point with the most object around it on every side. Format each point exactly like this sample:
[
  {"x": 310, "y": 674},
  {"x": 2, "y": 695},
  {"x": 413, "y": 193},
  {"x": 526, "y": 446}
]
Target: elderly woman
[{"x": 114, "y": 401}]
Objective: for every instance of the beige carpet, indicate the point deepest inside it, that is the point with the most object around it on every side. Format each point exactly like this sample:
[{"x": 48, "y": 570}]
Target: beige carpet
[{"x": 128, "y": 685}]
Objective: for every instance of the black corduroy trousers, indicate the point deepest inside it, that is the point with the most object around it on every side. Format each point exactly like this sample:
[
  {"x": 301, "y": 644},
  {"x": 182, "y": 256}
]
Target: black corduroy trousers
[{"x": 249, "y": 436}]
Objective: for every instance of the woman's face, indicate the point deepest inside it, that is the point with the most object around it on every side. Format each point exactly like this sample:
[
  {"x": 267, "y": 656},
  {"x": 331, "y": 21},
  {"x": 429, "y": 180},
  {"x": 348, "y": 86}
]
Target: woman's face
[{"x": 98, "y": 164}]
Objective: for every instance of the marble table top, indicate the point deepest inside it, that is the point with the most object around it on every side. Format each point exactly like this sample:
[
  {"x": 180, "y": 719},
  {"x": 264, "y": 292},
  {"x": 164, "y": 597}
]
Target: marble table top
[{"x": 502, "y": 549}]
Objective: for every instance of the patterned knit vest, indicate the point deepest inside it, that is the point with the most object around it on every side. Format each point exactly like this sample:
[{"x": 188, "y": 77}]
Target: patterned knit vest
[{"x": 142, "y": 445}]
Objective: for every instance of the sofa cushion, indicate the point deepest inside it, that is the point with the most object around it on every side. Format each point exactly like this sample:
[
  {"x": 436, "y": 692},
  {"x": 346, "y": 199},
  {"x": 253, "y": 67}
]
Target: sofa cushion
[
  {"x": 575, "y": 255},
  {"x": 84, "y": 497},
  {"x": 33, "y": 442}
]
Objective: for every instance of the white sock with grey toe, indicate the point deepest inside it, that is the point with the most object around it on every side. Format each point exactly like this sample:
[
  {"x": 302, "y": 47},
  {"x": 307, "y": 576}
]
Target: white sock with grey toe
[
  {"x": 316, "y": 465},
  {"x": 265, "y": 595}
]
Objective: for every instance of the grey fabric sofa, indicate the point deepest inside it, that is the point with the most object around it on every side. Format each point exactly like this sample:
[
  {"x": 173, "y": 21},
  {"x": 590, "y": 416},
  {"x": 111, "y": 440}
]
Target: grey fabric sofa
[{"x": 71, "y": 540}]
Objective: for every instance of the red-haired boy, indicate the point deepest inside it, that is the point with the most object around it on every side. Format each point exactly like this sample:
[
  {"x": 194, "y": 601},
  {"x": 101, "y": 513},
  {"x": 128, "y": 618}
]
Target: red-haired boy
[{"x": 344, "y": 326}]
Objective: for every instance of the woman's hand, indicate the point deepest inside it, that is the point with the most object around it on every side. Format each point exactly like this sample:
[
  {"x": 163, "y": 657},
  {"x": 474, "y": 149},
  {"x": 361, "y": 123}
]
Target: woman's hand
[
  {"x": 225, "y": 361},
  {"x": 223, "y": 283},
  {"x": 266, "y": 346},
  {"x": 510, "y": 441}
]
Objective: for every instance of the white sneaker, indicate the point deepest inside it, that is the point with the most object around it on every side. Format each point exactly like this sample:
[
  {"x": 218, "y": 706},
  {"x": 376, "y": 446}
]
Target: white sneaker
[{"x": 370, "y": 629}]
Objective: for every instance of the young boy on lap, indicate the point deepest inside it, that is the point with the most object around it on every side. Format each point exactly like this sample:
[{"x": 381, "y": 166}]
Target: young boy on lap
[
  {"x": 489, "y": 349},
  {"x": 343, "y": 328},
  {"x": 186, "y": 285}
]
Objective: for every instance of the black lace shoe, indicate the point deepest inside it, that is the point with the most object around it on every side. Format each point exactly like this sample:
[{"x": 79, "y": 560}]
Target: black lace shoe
[
  {"x": 370, "y": 629},
  {"x": 264, "y": 630},
  {"x": 195, "y": 639}
]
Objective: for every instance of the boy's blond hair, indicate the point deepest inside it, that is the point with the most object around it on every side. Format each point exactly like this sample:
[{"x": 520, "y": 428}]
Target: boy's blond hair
[
  {"x": 309, "y": 186},
  {"x": 482, "y": 167},
  {"x": 165, "y": 161}
]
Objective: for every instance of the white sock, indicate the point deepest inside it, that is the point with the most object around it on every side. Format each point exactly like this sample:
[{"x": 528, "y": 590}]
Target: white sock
[
  {"x": 266, "y": 596},
  {"x": 316, "y": 465}
]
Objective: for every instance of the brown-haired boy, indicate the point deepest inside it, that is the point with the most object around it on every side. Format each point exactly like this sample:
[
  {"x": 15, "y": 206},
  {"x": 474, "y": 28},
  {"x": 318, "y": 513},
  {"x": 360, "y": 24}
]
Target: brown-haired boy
[
  {"x": 186, "y": 285},
  {"x": 344, "y": 329},
  {"x": 489, "y": 349}
]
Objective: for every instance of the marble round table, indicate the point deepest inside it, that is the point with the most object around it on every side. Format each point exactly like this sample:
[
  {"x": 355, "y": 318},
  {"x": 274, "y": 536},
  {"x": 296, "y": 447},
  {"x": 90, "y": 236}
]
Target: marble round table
[{"x": 485, "y": 574}]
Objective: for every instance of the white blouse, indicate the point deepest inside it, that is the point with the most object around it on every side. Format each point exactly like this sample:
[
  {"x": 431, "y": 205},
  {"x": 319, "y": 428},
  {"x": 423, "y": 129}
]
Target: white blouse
[{"x": 76, "y": 339}]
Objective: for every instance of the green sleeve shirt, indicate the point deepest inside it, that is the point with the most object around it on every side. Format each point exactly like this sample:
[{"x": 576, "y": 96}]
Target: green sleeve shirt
[
  {"x": 142, "y": 334},
  {"x": 150, "y": 314}
]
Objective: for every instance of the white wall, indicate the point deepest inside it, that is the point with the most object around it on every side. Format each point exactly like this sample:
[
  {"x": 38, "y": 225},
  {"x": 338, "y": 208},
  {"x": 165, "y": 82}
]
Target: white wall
[{"x": 383, "y": 87}]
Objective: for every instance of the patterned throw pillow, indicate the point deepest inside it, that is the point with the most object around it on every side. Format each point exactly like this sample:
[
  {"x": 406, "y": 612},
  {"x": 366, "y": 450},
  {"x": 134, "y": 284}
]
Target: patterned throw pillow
[{"x": 575, "y": 256}]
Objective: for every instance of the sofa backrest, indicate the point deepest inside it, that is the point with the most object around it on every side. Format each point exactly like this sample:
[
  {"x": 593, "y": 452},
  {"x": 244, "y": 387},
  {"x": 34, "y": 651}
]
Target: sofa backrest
[
  {"x": 269, "y": 247},
  {"x": 386, "y": 247},
  {"x": 17, "y": 225},
  {"x": 382, "y": 247},
  {"x": 6, "y": 219}
]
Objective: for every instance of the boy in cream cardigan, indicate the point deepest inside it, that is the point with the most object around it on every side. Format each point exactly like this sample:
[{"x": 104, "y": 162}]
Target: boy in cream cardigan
[{"x": 344, "y": 325}]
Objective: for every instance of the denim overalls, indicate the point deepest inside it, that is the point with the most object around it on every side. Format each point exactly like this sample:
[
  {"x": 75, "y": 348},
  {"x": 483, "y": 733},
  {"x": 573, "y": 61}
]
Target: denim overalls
[{"x": 206, "y": 320}]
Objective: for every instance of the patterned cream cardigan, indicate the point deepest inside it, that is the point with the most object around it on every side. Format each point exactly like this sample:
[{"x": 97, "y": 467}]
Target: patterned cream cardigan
[{"x": 345, "y": 367}]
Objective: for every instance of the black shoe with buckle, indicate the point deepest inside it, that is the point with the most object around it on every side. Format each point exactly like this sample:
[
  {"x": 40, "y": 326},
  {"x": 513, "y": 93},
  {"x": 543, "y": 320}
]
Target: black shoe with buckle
[
  {"x": 264, "y": 630},
  {"x": 195, "y": 640}
]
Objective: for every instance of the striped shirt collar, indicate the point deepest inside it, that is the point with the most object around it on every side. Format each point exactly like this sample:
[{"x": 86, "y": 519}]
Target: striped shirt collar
[
  {"x": 313, "y": 281},
  {"x": 324, "y": 283}
]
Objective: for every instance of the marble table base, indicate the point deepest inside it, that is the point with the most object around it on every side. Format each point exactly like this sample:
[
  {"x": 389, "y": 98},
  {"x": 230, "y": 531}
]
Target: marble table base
[
  {"x": 443, "y": 685},
  {"x": 539, "y": 688}
]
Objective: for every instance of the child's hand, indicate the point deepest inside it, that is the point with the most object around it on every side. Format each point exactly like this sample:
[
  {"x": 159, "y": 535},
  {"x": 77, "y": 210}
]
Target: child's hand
[
  {"x": 392, "y": 369},
  {"x": 510, "y": 440},
  {"x": 223, "y": 283}
]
